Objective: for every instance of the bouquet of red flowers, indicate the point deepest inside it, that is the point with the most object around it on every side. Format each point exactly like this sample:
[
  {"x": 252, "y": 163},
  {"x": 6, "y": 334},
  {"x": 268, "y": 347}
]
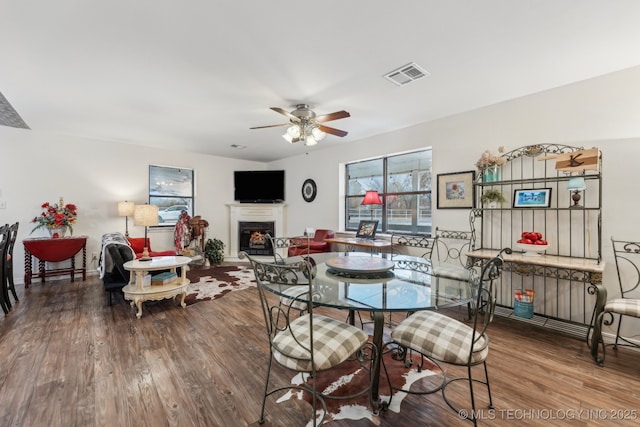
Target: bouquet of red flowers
[{"x": 56, "y": 216}]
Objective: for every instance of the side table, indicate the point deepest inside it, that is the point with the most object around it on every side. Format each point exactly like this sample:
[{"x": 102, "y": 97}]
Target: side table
[
  {"x": 54, "y": 250},
  {"x": 137, "y": 293}
]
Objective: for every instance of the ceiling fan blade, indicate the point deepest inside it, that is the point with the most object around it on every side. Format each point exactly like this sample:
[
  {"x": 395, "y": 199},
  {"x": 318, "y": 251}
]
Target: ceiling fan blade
[
  {"x": 332, "y": 131},
  {"x": 286, "y": 113},
  {"x": 270, "y": 126},
  {"x": 332, "y": 116}
]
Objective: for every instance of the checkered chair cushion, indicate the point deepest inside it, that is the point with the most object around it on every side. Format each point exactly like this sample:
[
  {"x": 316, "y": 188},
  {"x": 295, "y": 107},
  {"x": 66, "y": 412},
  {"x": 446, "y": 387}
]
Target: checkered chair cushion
[
  {"x": 626, "y": 306},
  {"x": 440, "y": 337},
  {"x": 450, "y": 271},
  {"x": 334, "y": 342},
  {"x": 295, "y": 291}
]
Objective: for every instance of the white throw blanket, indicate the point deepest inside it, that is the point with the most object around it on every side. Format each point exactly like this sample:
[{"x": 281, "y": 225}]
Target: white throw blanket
[{"x": 105, "y": 264}]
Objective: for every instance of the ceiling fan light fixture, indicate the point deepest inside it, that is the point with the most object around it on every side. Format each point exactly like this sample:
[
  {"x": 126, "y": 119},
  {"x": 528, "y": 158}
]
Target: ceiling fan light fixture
[
  {"x": 294, "y": 131},
  {"x": 288, "y": 137},
  {"x": 317, "y": 134},
  {"x": 310, "y": 140}
]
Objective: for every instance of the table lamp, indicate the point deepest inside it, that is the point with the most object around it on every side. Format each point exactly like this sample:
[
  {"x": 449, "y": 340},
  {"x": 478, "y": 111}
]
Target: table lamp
[
  {"x": 126, "y": 210},
  {"x": 371, "y": 198},
  {"x": 576, "y": 185},
  {"x": 145, "y": 215}
]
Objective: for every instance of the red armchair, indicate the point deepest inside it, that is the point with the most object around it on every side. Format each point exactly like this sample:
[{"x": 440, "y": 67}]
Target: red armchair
[
  {"x": 316, "y": 244},
  {"x": 137, "y": 244}
]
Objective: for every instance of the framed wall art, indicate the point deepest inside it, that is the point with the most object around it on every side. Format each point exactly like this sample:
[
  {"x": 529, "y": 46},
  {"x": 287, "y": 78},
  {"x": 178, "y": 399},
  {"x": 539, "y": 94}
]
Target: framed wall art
[
  {"x": 532, "y": 198},
  {"x": 171, "y": 189},
  {"x": 455, "y": 190}
]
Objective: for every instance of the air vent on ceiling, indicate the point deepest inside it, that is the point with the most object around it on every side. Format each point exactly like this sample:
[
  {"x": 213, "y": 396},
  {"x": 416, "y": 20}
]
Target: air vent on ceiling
[{"x": 406, "y": 74}]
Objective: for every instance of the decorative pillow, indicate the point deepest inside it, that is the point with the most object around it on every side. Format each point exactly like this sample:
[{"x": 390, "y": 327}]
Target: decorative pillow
[{"x": 137, "y": 244}]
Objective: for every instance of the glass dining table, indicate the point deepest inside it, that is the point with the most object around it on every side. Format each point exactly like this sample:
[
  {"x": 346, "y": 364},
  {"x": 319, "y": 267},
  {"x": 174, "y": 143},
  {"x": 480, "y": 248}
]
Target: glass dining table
[{"x": 358, "y": 281}]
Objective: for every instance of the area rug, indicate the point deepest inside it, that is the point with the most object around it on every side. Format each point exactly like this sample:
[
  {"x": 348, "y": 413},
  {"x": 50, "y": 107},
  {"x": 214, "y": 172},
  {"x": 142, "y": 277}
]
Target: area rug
[
  {"x": 350, "y": 377},
  {"x": 213, "y": 283}
]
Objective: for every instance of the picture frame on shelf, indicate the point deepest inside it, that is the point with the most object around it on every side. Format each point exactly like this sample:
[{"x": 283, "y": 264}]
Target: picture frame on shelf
[
  {"x": 367, "y": 229},
  {"x": 456, "y": 190},
  {"x": 532, "y": 198}
]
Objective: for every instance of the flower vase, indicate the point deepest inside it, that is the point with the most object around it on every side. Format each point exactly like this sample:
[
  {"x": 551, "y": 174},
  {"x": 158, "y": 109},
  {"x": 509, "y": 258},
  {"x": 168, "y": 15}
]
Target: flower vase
[
  {"x": 56, "y": 232},
  {"x": 491, "y": 174}
]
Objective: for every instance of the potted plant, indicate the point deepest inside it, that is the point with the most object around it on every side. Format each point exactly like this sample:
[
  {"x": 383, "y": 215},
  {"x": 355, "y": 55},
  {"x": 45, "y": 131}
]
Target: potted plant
[
  {"x": 492, "y": 197},
  {"x": 214, "y": 251}
]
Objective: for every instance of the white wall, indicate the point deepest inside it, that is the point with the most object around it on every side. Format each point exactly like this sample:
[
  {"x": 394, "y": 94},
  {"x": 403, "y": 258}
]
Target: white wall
[
  {"x": 95, "y": 175},
  {"x": 602, "y": 112}
]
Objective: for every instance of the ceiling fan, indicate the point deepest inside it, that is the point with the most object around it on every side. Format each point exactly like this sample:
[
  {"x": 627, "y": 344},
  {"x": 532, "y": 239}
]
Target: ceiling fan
[{"x": 305, "y": 126}]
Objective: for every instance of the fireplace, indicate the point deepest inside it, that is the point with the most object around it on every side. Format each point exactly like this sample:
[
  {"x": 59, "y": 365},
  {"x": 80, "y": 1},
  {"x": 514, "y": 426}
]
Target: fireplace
[
  {"x": 252, "y": 237},
  {"x": 274, "y": 214}
]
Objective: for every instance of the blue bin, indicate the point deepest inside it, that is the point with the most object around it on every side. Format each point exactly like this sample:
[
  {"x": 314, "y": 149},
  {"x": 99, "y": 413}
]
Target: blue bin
[{"x": 523, "y": 309}]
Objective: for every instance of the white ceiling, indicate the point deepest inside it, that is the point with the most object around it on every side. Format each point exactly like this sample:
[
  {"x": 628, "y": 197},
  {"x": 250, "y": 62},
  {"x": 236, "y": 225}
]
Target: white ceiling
[{"x": 197, "y": 74}]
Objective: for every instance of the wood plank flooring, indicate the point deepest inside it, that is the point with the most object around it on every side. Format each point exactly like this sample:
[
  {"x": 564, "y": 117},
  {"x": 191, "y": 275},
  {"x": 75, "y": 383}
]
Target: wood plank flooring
[{"x": 68, "y": 359}]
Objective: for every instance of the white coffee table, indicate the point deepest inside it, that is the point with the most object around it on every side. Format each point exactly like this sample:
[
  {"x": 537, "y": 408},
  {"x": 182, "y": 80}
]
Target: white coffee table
[{"x": 137, "y": 293}]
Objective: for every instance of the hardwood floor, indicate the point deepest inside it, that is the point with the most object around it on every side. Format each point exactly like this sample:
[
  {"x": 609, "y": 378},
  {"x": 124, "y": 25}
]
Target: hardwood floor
[{"x": 68, "y": 359}]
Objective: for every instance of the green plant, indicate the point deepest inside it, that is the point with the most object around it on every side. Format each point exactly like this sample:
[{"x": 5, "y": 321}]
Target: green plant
[
  {"x": 492, "y": 195},
  {"x": 214, "y": 250}
]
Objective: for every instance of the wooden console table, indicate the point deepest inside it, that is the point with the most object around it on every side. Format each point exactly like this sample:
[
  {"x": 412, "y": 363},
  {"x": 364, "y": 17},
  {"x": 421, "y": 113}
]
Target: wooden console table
[
  {"x": 54, "y": 250},
  {"x": 351, "y": 243}
]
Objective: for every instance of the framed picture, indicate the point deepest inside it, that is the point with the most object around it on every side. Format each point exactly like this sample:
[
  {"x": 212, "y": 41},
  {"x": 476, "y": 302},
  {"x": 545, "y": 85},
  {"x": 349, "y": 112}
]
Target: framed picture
[
  {"x": 367, "y": 229},
  {"x": 532, "y": 198},
  {"x": 455, "y": 190},
  {"x": 171, "y": 190}
]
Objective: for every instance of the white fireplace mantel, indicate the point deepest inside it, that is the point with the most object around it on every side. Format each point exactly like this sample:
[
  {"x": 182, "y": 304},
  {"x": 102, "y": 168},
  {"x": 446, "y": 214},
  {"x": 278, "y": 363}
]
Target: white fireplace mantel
[{"x": 258, "y": 212}]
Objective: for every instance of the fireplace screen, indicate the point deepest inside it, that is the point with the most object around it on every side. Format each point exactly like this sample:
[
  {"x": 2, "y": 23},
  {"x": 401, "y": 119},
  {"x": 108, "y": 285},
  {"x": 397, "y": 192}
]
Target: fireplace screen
[{"x": 253, "y": 237}]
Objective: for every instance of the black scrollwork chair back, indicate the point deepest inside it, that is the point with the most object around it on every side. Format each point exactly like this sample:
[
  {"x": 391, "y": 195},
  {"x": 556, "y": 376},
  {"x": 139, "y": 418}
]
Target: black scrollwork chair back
[
  {"x": 309, "y": 343},
  {"x": 8, "y": 268},
  {"x": 279, "y": 243},
  {"x": 4, "y": 244},
  {"x": 416, "y": 245}
]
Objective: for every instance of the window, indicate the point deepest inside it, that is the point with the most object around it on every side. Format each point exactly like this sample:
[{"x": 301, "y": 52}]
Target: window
[
  {"x": 171, "y": 189},
  {"x": 404, "y": 184}
]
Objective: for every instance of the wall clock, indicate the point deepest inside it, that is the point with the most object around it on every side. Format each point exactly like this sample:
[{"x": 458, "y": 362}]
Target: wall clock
[{"x": 309, "y": 190}]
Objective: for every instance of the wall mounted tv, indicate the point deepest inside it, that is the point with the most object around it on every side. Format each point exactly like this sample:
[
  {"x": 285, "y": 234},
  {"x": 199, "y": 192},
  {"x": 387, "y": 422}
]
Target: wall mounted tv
[{"x": 259, "y": 186}]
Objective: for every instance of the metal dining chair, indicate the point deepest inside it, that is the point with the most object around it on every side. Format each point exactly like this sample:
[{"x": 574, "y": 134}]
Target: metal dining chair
[
  {"x": 301, "y": 244},
  {"x": 306, "y": 344},
  {"x": 443, "y": 339},
  {"x": 4, "y": 244},
  {"x": 8, "y": 267},
  {"x": 627, "y": 258},
  {"x": 421, "y": 243}
]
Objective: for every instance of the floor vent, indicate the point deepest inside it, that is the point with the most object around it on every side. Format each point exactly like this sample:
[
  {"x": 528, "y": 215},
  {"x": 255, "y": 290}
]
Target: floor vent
[{"x": 406, "y": 74}]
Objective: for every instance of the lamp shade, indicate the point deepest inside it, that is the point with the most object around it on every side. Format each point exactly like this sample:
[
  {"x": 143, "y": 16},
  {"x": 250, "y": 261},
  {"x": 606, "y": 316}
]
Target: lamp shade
[
  {"x": 145, "y": 215},
  {"x": 576, "y": 183},
  {"x": 371, "y": 198},
  {"x": 126, "y": 208}
]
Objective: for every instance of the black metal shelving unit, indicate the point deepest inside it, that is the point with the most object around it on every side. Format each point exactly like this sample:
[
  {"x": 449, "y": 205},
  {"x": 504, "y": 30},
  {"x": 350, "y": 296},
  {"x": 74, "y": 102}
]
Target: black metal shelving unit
[{"x": 561, "y": 294}]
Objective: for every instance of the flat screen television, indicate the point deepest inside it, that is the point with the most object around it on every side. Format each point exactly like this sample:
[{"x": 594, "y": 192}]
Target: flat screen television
[{"x": 259, "y": 186}]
